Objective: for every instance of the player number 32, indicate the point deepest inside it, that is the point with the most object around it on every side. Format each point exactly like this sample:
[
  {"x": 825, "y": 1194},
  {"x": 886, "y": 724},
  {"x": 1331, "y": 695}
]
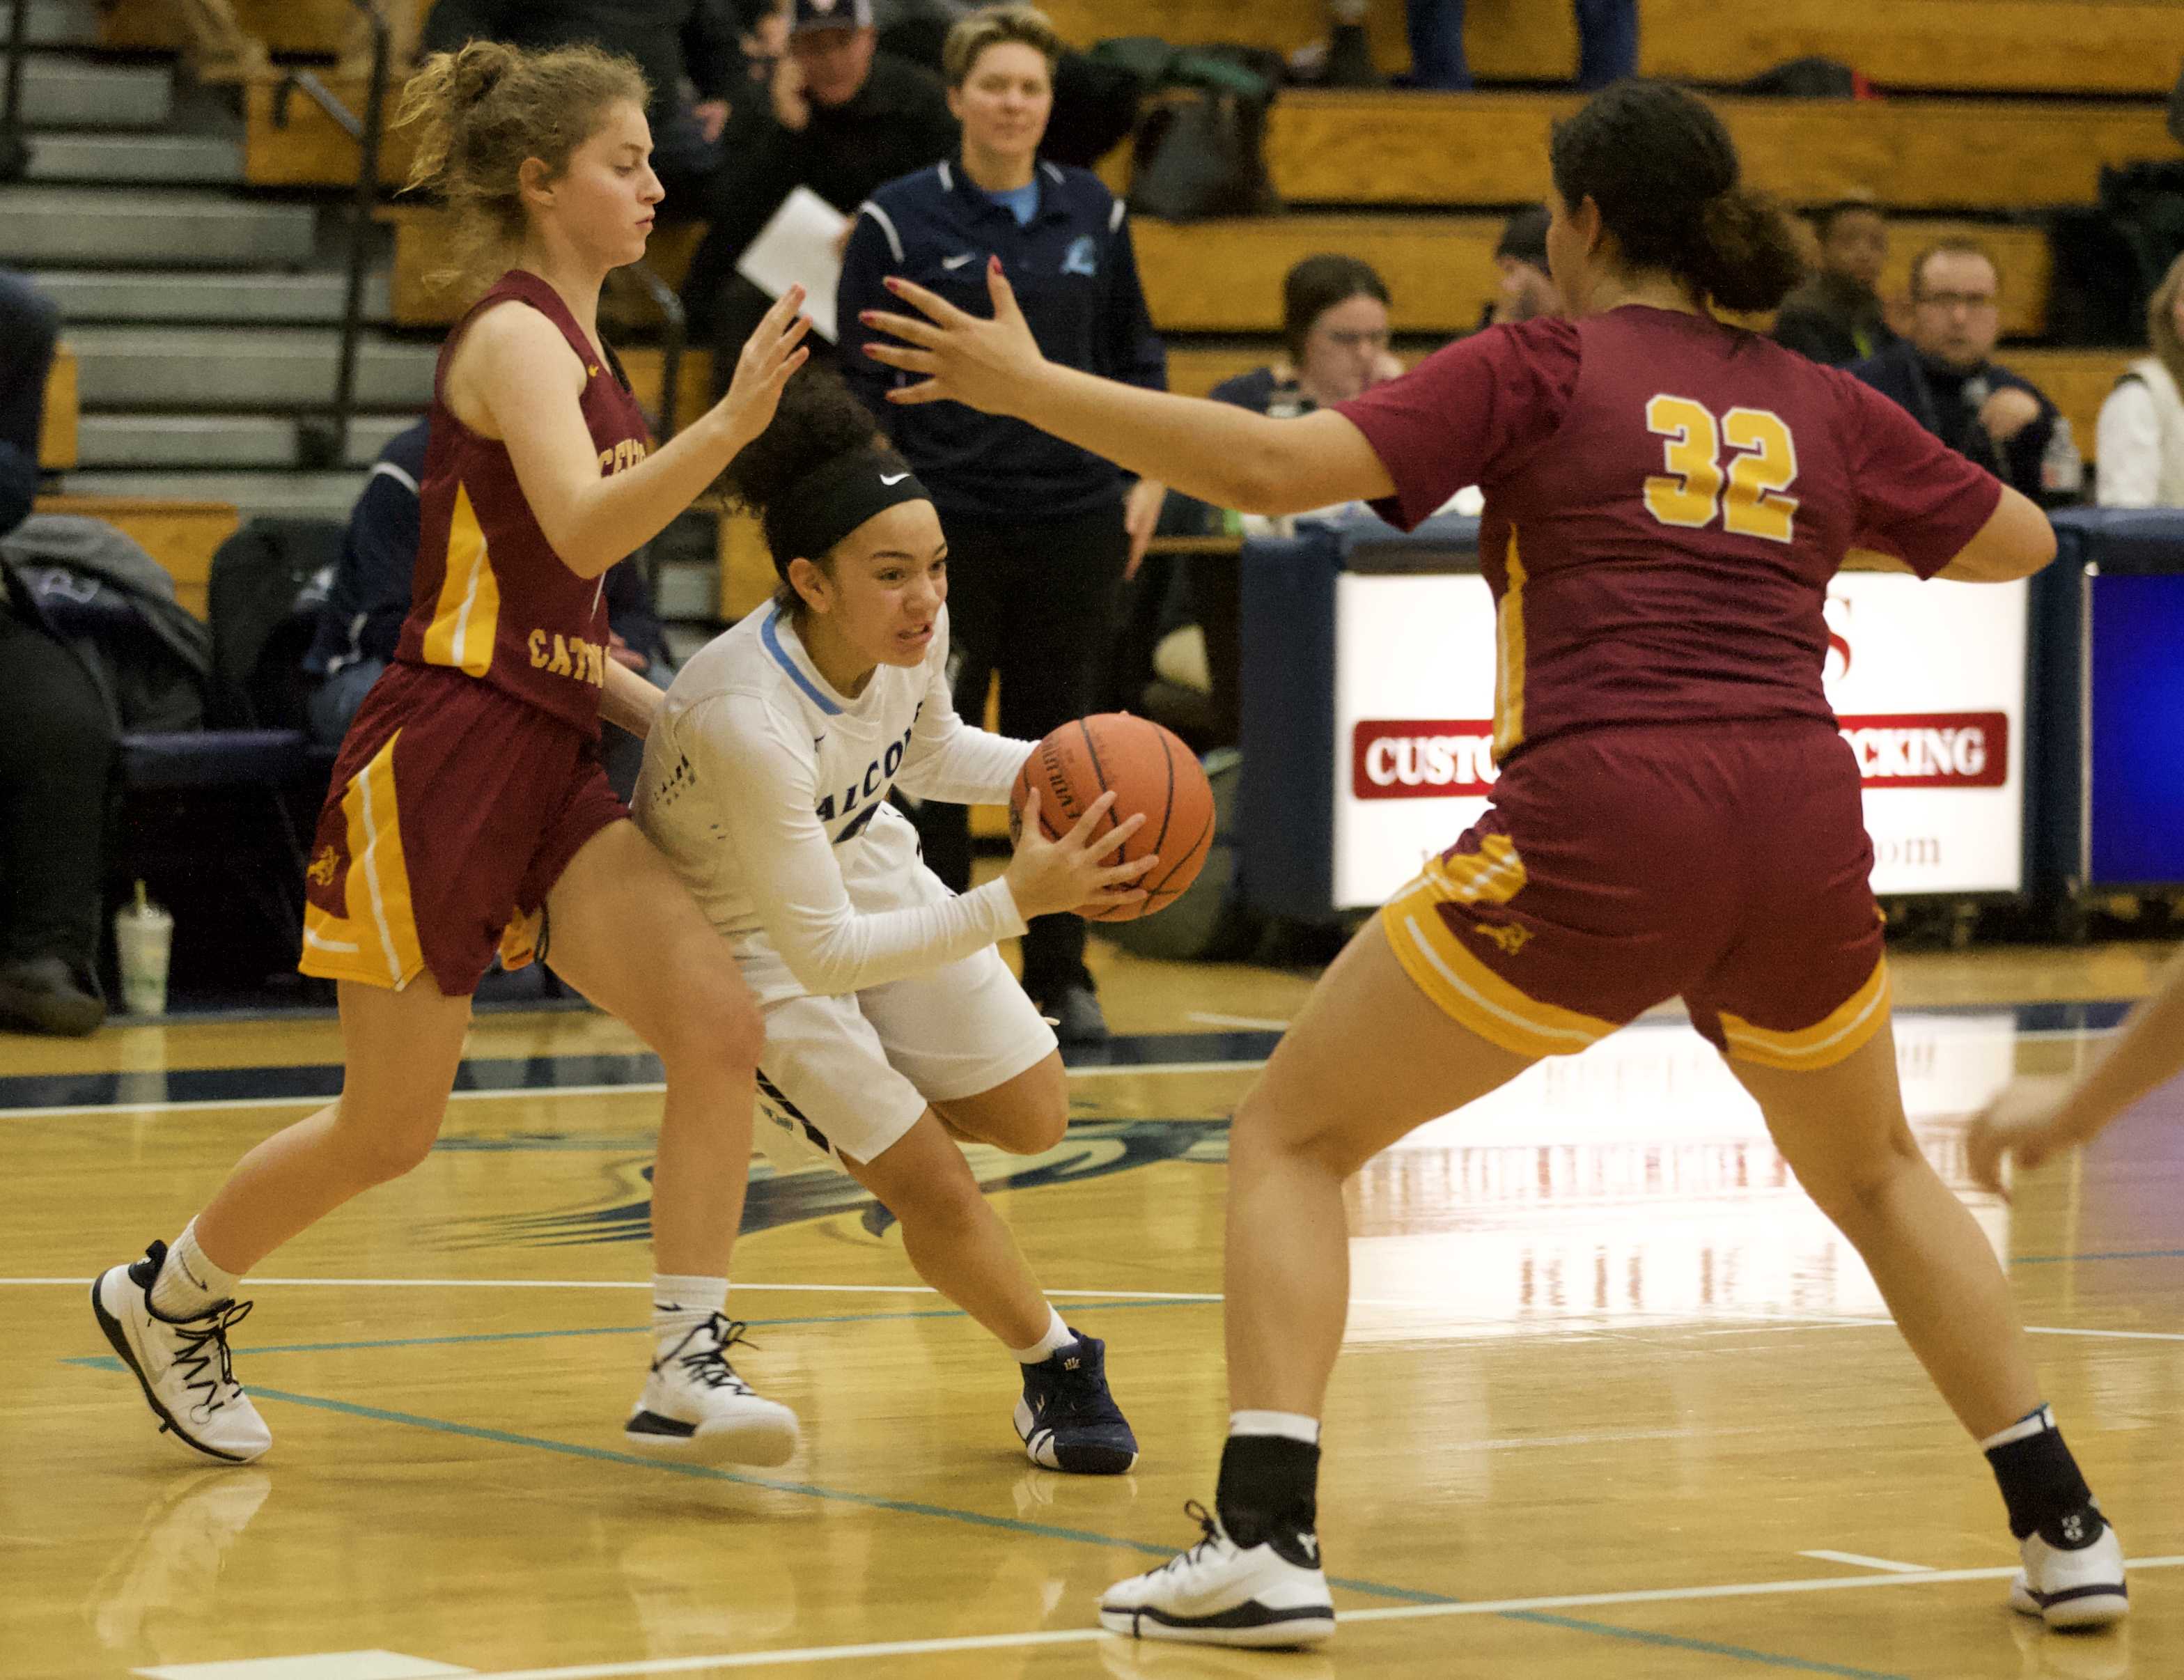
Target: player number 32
[{"x": 1749, "y": 496}]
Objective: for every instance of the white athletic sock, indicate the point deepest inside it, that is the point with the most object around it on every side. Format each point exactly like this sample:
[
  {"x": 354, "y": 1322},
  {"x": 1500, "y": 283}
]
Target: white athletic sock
[
  {"x": 1289, "y": 1425},
  {"x": 681, "y": 1304},
  {"x": 189, "y": 1286},
  {"x": 1058, "y": 1335},
  {"x": 2031, "y": 1423}
]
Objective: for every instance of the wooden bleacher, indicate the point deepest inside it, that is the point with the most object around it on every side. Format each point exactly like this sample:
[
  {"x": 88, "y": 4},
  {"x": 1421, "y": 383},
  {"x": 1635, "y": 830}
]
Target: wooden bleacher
[
  {"x": 180, "y": 535},
  {"x": 1491, "y": 148},
  {"x": 299, "y": 26},
  {"x": 57, "y": 429},
  {"x": 1970, "y": 46},
  {"x": 1225, "y": 276}
]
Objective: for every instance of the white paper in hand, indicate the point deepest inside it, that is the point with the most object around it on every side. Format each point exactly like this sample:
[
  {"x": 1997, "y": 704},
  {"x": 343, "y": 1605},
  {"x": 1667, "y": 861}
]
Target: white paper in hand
[{"x": 799, "y": 245}]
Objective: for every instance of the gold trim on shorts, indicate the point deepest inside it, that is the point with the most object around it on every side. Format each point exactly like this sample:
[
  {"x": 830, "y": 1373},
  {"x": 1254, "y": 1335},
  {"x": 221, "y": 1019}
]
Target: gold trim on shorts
[
  {"x": 1844, "y": 1032},
  {"x": 375, "y": 942},
  {"x": 1463, "y": 987}
]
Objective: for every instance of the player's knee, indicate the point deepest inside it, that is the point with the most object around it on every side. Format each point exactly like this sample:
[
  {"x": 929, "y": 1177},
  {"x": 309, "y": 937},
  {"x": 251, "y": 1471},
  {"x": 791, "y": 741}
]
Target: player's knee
[
  {"x": 1855, "y": 1189},
  {"x": 1266, "y": 1128},
  {"x": 717, "y": 1024},
  {"x": 1040, "y": 1126},
  {"x": 379, "y": 1153}
]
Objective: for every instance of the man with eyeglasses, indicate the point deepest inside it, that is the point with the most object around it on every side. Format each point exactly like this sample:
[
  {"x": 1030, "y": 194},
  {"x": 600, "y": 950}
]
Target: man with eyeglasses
[{"x": 1943, "y": 375}]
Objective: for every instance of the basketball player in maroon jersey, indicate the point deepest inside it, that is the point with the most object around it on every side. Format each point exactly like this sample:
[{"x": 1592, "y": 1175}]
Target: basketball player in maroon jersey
[
  {"x": 469, "y": 812},
  {"x": 1666, "y": 500}
]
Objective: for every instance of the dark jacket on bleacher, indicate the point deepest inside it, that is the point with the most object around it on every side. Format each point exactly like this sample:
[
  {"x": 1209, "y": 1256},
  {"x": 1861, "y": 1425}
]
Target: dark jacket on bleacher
[
  {"x": 1075, "y": 274},
  {"x": 1833, "y": 319},
  {"x": 1948, "y": 405}
]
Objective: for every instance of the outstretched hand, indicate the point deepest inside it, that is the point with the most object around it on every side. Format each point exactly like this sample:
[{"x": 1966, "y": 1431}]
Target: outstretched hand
[
  {"x": 2027, "y": 1123},
  {"x": 774, "y": 350},
  {"x": 989, "y": 365}
]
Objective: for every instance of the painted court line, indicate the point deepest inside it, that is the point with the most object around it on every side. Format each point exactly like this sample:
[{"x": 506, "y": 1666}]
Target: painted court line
[
  {"x": 1241, "y": 1023},
  {"x": 318, "y": 1666},
  {"x": 1540, "y": 1609},
  {"x": 1858, "y": 1560}
]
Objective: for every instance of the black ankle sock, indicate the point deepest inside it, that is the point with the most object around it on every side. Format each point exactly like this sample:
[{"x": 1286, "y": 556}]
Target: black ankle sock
[
  {"x": 2041, "y": 1486},
  {"x": 1269, "y": 1493}
]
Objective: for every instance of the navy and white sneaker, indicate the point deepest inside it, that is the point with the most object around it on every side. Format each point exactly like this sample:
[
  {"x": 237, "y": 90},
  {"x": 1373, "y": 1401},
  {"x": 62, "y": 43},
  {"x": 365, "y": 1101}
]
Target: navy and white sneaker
[
  {"x": 2074, "y": 1580},
  {"x": 1068, "y": 1420},
  {"x": 183, "y": 1365},
  {"x": 695, "y": 1407},
  {"x": 1269, "y": 1595}
]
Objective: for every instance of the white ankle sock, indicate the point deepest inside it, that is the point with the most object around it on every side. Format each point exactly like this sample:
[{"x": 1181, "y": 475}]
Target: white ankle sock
[
  {"x": 681, "y": 1304},
  {"x": 1058, "y": 1335},
  {"x": 2040, "y": 1418},
  {"x": 1289, "y": 1425},
  {"x": 189, "y": 1285}
]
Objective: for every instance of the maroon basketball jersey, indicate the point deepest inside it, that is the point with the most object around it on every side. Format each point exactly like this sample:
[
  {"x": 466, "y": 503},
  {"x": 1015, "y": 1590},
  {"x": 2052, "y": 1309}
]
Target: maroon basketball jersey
[
  {"x": 491, "y": 598},
  {"x": 1666, "y": 500}
]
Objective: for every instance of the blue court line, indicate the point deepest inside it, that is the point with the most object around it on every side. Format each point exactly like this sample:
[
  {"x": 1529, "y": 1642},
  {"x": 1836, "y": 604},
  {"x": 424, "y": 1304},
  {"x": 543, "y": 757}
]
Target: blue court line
[
  {"x": 107, "y": 1362},
  {"x": 1708, "y": 1647},
  {"x": 1007, "y": 1525},
  {"x": 2120, "y": 1254}
]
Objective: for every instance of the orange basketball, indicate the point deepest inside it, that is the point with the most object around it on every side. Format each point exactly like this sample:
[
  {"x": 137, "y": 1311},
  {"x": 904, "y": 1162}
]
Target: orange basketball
[{"x": 1150, "y": 771}]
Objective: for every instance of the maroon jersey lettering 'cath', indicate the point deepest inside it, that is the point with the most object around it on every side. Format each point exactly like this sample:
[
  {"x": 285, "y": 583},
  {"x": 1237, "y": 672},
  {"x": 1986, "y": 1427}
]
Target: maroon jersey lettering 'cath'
[
  {"x": 491, "y": 598},
  {"x": 1666, "y": 500}
]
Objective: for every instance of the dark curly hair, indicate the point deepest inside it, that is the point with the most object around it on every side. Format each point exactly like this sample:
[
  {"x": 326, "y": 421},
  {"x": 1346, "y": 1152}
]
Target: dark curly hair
[
  {"x": 1663, "y": 171},
  {"x": 818, "y": 420}
]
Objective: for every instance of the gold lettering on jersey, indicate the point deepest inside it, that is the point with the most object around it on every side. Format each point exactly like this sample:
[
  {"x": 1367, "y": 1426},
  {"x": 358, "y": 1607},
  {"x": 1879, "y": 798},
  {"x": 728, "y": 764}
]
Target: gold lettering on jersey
[
  {"x": 1687, "y": 494},
  {"x": 622, "y": 456},
  {"x": 570, "y": 656},
  {"x": 1755, "y": 507},
  {"x": 1691, "y": 492}
]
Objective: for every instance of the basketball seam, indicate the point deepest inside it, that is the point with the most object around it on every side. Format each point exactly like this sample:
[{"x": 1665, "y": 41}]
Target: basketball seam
[
  {"x": 1154, "y": 890},
  {"x": 1167, "y": 811},
  {"x": 1099, "y": 769}
]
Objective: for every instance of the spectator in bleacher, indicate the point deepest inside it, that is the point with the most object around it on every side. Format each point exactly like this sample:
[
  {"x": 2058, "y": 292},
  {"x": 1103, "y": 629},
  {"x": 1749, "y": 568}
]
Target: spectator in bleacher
[
  {"x": 1606, "y": 42},
  {"x": 1837, "y": 315},
  {"x": 1040, "y": 533},
  {"x": 842, "y": 118},
  {"x": 57, "y": 736},
  {"x": 29, "y": 326},
  {"x": 679, "y": 44},
  {"x": 1523, "y": 289},
  {"x": 2140, "y": 450},
  {"x": 1945, "y": 375},
  {"x": 361, "y": 620}
]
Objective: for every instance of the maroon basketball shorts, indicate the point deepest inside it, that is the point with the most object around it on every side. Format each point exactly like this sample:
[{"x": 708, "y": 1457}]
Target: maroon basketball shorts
[
  {"x": 453, "y": 809},
  {"x": 1726, "y": 864}
]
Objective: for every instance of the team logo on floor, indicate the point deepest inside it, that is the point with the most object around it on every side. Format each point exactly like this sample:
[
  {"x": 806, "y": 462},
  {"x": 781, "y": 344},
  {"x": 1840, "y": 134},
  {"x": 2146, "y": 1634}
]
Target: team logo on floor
[{"x": 1093, "y": 1149}]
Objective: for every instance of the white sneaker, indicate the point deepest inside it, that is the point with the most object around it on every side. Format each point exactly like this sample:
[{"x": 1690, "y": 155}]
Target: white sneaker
[
  {"x": 1219, "y": 1593},
  {"x": 182, "y": 1365},
  {"x": 2079, "y": 1587},
  {"x": 695, "y": 1407}
]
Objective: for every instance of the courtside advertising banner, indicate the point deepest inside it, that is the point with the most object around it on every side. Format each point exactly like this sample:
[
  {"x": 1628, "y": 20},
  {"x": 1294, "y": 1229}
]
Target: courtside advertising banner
[{"x": 1927, "y": 681}]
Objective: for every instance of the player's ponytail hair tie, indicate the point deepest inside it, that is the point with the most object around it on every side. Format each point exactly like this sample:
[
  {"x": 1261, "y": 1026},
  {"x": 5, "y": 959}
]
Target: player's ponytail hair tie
[{"x": 825, "y": 504}]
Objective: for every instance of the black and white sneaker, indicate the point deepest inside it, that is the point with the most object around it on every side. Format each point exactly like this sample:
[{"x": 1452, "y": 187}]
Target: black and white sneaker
[
  {"x": 1220, "y": 1593},
  {"x": 695, "y": 1407},
  {"x": 183, "y": 1365},
  {"x": 2074, "y": 1579},
  {"x": 1066, "y": 1419}
]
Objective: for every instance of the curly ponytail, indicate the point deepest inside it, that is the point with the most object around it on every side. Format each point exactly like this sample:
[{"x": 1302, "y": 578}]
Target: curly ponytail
[
  {"x": 480, "y": 111},
  {"x": 1751, "y": 257},
  {"x": 1664, "y": 173}
]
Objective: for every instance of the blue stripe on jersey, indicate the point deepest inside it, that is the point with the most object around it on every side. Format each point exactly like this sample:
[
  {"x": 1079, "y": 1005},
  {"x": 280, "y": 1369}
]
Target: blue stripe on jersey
[{"x": 771, "y": 637}]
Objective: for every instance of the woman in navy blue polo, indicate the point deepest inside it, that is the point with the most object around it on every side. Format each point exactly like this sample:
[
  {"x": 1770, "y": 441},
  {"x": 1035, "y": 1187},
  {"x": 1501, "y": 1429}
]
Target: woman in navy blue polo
[{"x": 1040, "y": 532}]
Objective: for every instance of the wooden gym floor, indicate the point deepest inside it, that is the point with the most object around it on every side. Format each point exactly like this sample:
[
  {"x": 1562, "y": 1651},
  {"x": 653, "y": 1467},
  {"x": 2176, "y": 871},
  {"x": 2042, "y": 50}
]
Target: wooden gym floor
[{"x": 1616, "y": 1401}]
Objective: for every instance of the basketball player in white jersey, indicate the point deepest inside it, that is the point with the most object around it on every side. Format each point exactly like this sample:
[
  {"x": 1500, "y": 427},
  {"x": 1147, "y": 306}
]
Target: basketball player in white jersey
[{"x": 893, "y": 1028}]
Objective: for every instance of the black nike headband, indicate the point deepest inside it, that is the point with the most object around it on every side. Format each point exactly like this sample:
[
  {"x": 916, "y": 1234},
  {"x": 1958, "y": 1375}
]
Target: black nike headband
[{"x": 824, "y": 506}]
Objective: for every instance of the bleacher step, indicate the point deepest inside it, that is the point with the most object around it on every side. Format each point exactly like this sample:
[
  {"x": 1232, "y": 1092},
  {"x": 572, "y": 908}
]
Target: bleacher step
[
  {"x": 127, "y": 159},
  {"x": 225, "y": 441},
  {"x": 89, "y": 295},
  {"x": 143, "y": 229},
  {"x": 69, "y": 93},
  {"x": 326, "y": 495},
  {"x": 58, "y": 22},
  {"x": 160, "y": 367}
]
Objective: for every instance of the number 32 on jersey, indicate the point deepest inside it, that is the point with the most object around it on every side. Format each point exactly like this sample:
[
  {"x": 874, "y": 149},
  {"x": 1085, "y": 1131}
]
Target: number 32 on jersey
[{"x": 1749, "y": 496}]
